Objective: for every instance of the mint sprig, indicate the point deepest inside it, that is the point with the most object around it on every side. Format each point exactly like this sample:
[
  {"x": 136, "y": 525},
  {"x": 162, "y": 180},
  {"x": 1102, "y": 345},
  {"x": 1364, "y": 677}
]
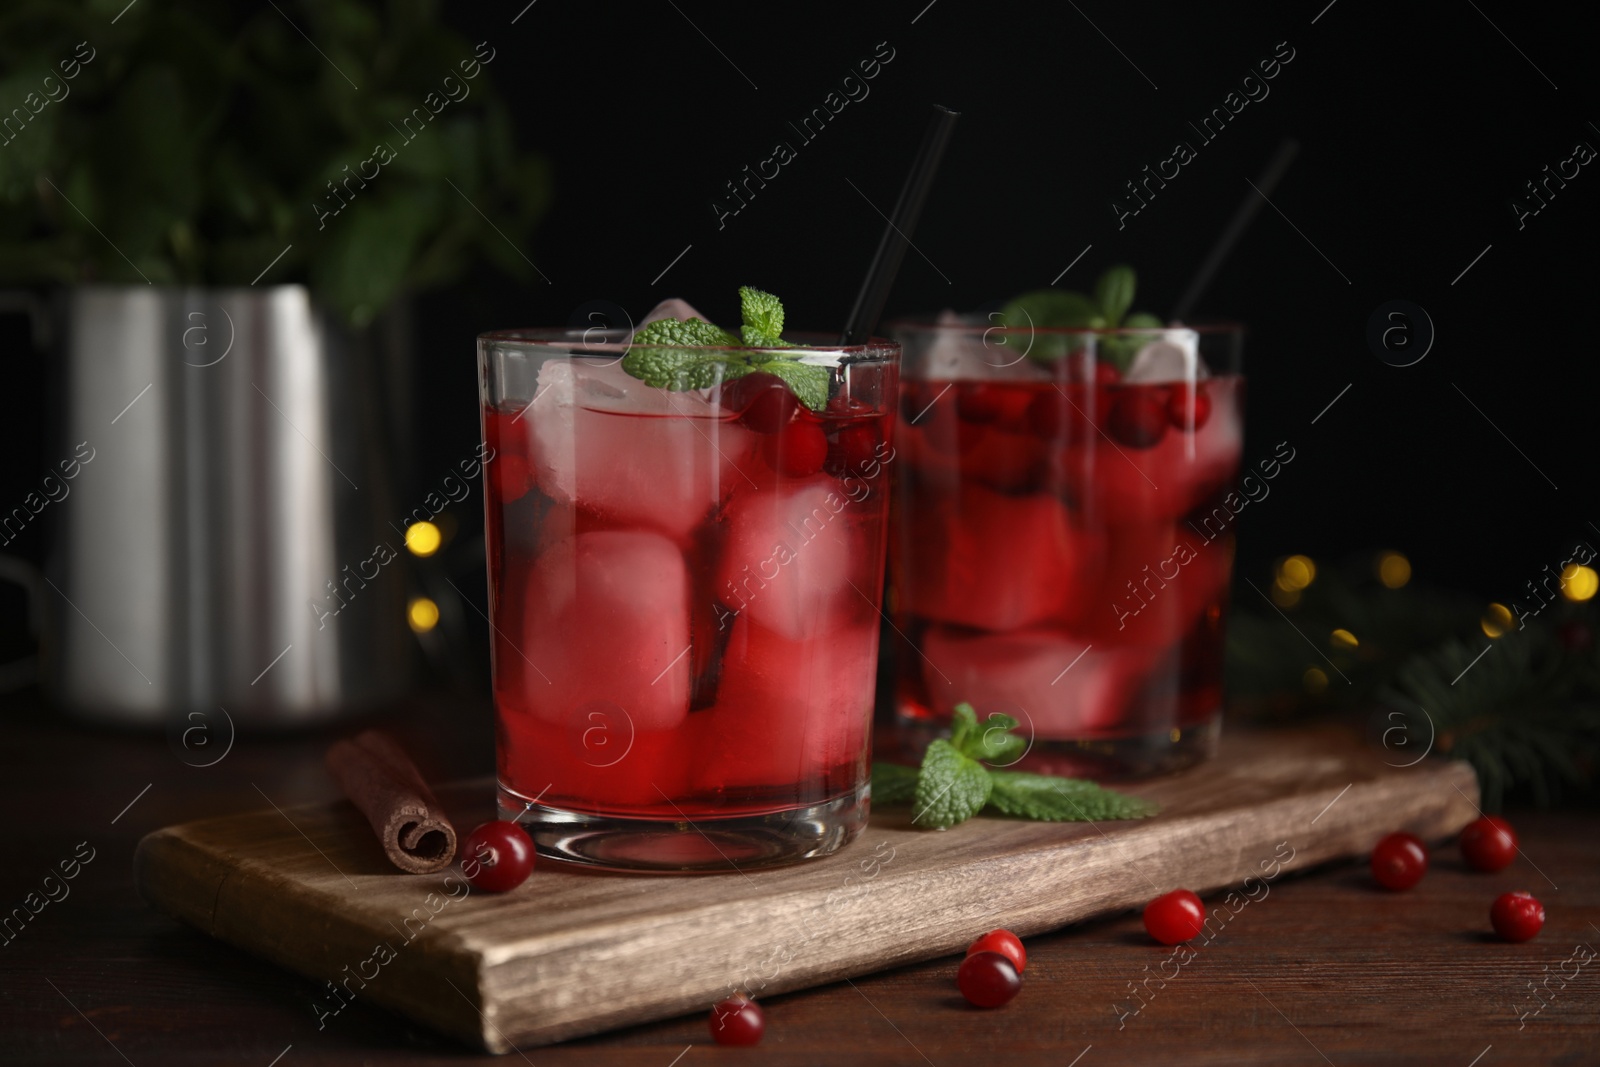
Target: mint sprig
[
  {"x": 684, "y": 354},
  {"x": 954, "y": 784},
  {"x": 1062, "y": 309}
]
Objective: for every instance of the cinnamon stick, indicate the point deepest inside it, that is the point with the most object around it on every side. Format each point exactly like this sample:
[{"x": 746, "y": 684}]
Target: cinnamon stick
[{"x": 380, "y": 779}]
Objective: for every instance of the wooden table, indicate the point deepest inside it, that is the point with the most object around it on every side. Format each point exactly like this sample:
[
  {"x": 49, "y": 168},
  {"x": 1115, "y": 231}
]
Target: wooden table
[{"x": 1325, "y": 969}]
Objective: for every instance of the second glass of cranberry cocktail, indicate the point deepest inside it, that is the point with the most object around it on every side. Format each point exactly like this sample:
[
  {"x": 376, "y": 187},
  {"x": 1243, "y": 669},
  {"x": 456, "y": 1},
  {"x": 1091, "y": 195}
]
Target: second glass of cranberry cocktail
[{"x": 1060, "y": 550}]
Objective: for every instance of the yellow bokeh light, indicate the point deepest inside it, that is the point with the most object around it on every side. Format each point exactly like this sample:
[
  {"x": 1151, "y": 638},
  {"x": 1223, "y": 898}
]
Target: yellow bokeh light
[
  {"x": 423, "y": 538},
  {"x": 1497, "y": 620},
  {"x": 1579, "y": 583},
  {"x": 1314, "y": 680},
  {"x": 1284, "y": 598},
  {"x": 1394, "y": 570},
  {"x": 1344, "y": 639},
  {"x": 422, "y": 614},
  {"x": 1296, "y": 572}
]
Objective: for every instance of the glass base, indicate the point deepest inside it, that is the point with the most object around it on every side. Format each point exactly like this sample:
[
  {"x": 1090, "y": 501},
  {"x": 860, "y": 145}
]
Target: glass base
[
  {"x": 1101, "y": 759},
  {"x": 704, "y": 845}
]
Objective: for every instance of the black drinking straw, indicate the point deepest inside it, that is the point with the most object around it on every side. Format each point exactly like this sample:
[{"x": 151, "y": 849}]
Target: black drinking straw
[
  {"x": 892, "y": 247},
  {"x": 1276, "y": 166}
]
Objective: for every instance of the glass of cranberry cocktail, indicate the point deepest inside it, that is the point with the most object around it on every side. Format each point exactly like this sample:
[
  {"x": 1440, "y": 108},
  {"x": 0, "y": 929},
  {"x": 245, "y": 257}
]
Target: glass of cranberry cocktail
[
  {"x": 1060, "y": 552},
  {"x": 685, "y": 589}
]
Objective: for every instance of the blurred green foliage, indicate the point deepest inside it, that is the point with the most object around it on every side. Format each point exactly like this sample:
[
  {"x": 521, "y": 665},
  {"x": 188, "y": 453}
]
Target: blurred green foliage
[
  {"x": 194, "y": 141},
  {"x": 1523, "y": 709}
]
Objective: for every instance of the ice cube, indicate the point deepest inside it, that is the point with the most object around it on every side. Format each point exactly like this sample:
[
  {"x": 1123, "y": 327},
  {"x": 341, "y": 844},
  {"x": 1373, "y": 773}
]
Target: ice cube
[
  {"x": 983, "y": 559},
  {"x": 1174, "y": 357},
  {"x": 786, "y": 710},
  {"x": 606, "y": 618},
  {"x": 606, "y": 442},
  {"x": 790, "y": 553},
  {"x": 969, "y": 348},
  {"x": 671, "y": 308},
  {"x": 1057, "y": 687}
]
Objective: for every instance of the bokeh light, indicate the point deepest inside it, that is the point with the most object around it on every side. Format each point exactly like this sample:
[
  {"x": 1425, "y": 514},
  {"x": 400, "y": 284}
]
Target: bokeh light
[
  {"x": 1496, "y": 620},
  {"x": 1579, "y": 583},
  {"x": 423, "y": 538},
  {"x": 422, "y": 614},
  {"x": 1344, "y": 639},
  {"x": 1394, "y": 570},
  {"x": 1315, "y": 681},
  {"x": 1296, "y": 573}
]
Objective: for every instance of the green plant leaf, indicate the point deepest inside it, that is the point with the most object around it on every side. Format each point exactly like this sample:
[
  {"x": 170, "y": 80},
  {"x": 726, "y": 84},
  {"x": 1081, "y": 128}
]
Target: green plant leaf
[
  {"x": 963, "y": 727},
  {"x": 1050, "y": 799},
  {"x": 762, "y": 314},
  {"x": 1114, "y": 293},
  {"x": 1050, "y": 309},
  {"x": 808, "y": 381},
  {"x": 950, "y": 789},
  {"x": 684, "y": 332},
  {"x": 682, "y": 369}
]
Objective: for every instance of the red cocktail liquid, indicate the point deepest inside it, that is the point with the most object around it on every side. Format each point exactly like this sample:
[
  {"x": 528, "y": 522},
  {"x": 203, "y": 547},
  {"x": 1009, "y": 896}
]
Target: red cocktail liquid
[
  {"x": 684, "y": 595},
  {"x": 1062, "y": 555}
]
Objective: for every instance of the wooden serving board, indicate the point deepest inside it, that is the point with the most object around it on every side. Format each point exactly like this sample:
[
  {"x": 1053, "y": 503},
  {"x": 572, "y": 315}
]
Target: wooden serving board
[{"x": 574, "y": 952}]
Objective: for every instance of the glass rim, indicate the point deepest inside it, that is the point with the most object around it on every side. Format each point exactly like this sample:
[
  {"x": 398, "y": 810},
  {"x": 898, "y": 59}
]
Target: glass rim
[
  {"x": 974, "y": 325},
  {"x": 573, "y": 338}
]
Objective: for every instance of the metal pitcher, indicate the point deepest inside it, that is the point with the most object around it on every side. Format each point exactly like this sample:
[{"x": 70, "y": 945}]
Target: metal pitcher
[{"x": 227, "y": 537}]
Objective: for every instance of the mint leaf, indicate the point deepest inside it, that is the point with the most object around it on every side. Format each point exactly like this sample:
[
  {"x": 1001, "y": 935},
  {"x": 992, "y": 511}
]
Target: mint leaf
[
  {"x": 989, "y": 740},
  {"x": 1050, "y": 309},
  {"x": 683, "y": 332},
  {"x": 1051, "y": 799},
  {"x": 893, "y": 783},
  {"x": 807, "y": 381},
  {"x": 1143, "y": 320},
  {"x": 1114, "y": 293},
  {"x": 681, "y": 369},
  {"x": 998, "y": 746},
  {"x": 763, "y": 316},
  {"x": 950, "y": 789},
  {"x": 963, "y": 728},
  {"x": 756, "y": 339}
]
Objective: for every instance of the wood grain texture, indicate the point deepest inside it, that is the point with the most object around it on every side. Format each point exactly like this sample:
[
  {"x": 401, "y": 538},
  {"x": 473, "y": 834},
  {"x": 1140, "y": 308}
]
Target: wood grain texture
[{"x": 573, "y": 952}]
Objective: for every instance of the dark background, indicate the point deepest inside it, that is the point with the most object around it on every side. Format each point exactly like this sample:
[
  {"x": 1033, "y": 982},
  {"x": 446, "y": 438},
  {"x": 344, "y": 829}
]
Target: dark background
[{"x": 1416, "y": 129}]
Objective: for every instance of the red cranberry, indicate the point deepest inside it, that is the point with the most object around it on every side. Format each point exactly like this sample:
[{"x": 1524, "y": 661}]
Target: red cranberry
[
  {"x": 854, "y": 447},
  {"x": 1138, "y": 417},
  {"x": 1174, "y": 917},
  {"x": 737, "y": 1021},
  {"x": 511, "y": 475},
  {"x": 987, "y": 979},
  {"x": 1489, "y": 844},
  {"x": 1106, "y": 374},
  {"x": 765, "y": 402},
  {"x": 978, "y": 402},
  {"x": 1517, "y": 916},
  {"x": 1006, "y": 944},
  {"x": 798, "y": 450},
  {"x": 498, "y": 857},
  {"x": 1189, "y": 407},
  {"x": 1399, "y": 861}
]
